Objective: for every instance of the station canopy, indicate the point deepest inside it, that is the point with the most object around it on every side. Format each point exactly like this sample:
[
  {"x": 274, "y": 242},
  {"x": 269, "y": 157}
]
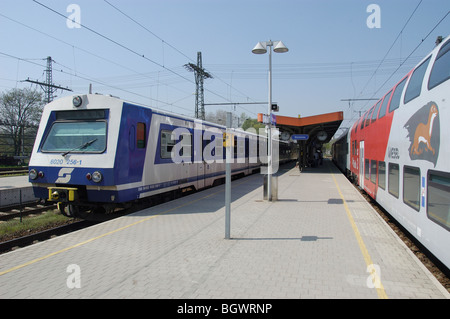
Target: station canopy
[{"x": 319, "y": 128}]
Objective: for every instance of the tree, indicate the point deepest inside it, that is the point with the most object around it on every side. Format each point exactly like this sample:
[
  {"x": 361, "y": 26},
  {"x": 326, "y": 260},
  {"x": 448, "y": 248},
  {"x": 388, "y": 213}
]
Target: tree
[
  {"x": 220, "y": 117},
  {"x": 20, "y": 112},
  {"x": 252, "y": 123}
]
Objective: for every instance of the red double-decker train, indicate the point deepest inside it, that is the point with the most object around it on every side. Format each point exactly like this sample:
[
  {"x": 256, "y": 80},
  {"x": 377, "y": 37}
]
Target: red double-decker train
[{"x": 399, "y": 152}]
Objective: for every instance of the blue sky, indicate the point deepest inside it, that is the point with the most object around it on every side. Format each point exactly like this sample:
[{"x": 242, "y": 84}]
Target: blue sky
[{"x": 333, "y": 54}]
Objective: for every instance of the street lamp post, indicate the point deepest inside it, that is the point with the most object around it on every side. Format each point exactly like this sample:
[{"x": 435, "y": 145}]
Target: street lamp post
[{"x": 261, "y": 48}]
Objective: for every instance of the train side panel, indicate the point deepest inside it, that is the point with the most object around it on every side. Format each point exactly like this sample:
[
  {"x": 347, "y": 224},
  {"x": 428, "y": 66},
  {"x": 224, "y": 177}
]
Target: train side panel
[
  {"x": 418, "y": 166},
  {"x": 400, "y": 152}
]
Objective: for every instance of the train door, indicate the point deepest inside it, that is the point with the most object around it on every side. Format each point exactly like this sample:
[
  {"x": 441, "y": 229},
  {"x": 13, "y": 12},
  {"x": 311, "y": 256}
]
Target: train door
[{"x": 361, "y": 164}]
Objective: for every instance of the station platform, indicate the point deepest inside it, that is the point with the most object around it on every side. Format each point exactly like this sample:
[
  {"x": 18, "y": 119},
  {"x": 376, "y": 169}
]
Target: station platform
[
  {"x": 14, "y": 190},
  {"x": 14, "y": 182},
  {"x": 321, "y": 239}
]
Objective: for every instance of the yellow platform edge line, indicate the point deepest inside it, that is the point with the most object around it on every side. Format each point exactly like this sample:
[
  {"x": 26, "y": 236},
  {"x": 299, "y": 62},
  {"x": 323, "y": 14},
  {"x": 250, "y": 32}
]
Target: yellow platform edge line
[
  {"x": 100, "y": 236},
  {"x": 380, "y": 288},
  {"x": 109, "y": 233}
]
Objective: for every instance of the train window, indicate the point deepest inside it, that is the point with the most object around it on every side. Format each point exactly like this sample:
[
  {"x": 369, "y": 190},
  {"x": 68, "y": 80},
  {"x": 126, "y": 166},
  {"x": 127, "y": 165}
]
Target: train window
[
  {"x": 441, "y": 68},
  {"x": 411, "y": 186},
  {"x": 395, "y": 101},
  {"x": 81, "y": 115},
  {"x": 140, "y": 137},
  {"x": 415, "y": 83},
  {"x": 167, "y": 144},
  {"x": 438, "y": 204},
  {"x": 369, "y": 116},
  {"x": 393, "y": 179},
  {"x": 384, "y": 105},
  {"x": 364, "y": 120},
  {"x": 382, "y": 175},
  {"x": 375, "y": 111},
  {"x": 76, "y": 137},
  {"x": 239, "y": 147},
  {"x": 373, "y": 171},
  {"x": 186, "y": 146},
  {"x": 366, "y": 169}
]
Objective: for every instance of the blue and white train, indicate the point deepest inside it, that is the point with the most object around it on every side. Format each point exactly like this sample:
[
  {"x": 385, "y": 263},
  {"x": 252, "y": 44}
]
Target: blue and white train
[{"x": 94, "y": 153}]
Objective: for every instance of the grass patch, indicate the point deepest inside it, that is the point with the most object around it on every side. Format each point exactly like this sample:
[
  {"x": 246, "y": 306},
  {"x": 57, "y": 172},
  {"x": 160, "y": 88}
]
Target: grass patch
[{"x": 31, "y": 224}]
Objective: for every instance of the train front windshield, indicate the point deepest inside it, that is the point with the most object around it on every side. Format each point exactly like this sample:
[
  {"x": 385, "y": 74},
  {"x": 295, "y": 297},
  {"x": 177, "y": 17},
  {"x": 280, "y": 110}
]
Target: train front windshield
[{"x": 76, "y": 137}]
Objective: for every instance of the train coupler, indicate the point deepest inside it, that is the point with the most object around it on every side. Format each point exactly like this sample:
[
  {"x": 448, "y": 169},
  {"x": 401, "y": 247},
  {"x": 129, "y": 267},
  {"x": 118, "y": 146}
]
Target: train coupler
[{"x": 62, "y": 194}]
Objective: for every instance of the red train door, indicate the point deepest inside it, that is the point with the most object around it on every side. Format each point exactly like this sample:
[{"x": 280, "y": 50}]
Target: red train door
[{"x": 361, "y": 164}]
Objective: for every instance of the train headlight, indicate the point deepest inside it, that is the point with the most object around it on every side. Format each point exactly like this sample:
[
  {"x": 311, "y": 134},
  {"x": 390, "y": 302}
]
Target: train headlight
[
  {"x": 77, "y": 101},
  {"x": 97, "y": 177},
  {"x": 33, "y": 174}
]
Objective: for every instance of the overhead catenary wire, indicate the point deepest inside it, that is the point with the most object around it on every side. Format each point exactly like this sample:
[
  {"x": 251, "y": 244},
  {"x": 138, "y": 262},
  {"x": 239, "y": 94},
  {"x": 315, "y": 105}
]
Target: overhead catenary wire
[
  {"x": 148, "y": 30},
  {"x": 411, "y": 53},
  {"x": 392, "y": 45},
  {"x": 97, "y": 81},
  {"x": 324, "y": 70},
  {"x": 403, "y": 62},
  {"x": 125, "y": 47},
  {"x": 113, "y": 41},
  {"x": 383, "y": 59},
  {"x": 110, "y": 61},
  {"x": 165, "y": 76},
  {"x": 138, "y": 73},
  {"x": 176, "y": 49}
]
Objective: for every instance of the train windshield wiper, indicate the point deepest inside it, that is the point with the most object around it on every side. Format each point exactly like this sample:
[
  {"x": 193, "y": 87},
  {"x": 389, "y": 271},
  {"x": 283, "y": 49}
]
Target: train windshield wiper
[{"x": 81, "y": 147}]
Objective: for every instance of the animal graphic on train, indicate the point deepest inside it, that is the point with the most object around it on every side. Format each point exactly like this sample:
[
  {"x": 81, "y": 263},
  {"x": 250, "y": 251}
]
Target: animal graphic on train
[{"x": 424, "y": 136}]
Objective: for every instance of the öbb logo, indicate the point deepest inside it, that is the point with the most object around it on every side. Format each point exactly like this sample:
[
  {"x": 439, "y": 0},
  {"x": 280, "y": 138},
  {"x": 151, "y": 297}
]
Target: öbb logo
[{"x": 64, "y": 175}]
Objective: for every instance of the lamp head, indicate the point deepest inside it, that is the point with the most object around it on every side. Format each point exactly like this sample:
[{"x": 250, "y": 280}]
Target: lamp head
[
  {"x": 260, "y": 48},
  {"x": 280, "y": 48}
]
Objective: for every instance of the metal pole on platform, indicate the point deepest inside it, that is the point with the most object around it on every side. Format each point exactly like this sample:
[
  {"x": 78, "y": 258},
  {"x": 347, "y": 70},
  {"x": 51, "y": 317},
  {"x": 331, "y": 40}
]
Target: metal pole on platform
[
  {"x": 261, "y": 48},
  {"x": 20, "y": 203},
  {"x": 228, "y": 141},
  {"x": 269, "y": 136}
]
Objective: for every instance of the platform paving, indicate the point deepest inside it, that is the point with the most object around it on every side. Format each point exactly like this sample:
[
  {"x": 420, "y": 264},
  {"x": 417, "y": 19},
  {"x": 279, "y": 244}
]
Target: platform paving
[{"x": 321, "y": 239}]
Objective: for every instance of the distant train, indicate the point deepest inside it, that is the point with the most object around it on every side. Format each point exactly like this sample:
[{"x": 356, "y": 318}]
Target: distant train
[
  {"x": 399, "y": 152},
  {"x": 94, "y": 153}
]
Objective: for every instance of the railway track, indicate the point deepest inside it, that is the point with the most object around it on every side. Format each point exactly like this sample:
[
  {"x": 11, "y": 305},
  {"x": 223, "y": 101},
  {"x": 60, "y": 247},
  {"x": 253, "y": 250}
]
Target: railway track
[
  {"x": 43, "y": 235},
  {"x": 14, "y": 211},
  {"x": 22, "y": 240},
  {"x": 13, "y": 171},
  {"x": 18, "y": 240}
]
